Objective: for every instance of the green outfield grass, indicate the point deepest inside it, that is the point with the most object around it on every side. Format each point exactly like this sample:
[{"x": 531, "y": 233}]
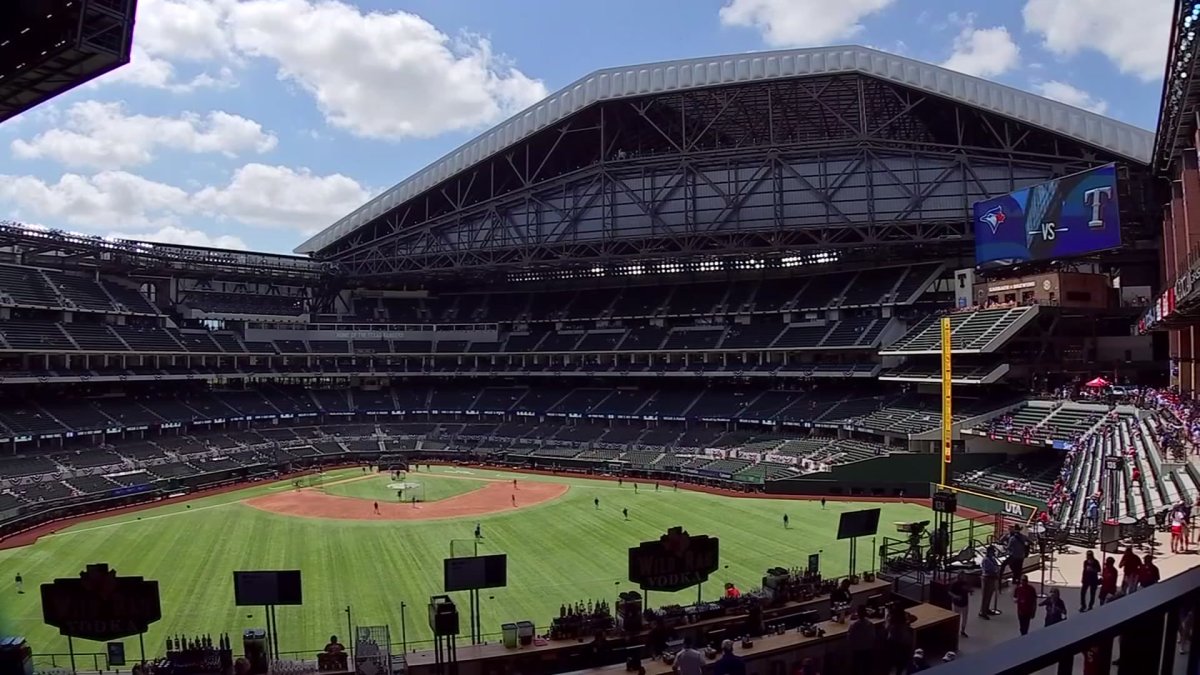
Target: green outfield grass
[
  {"x": 559, "y": 551},
  {"x": 429, "y": 487}
]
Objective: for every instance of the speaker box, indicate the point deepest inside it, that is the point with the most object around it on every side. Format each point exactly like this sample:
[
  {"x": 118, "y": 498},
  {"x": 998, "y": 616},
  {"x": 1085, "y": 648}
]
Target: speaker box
[{"x": 443, "y": 616}]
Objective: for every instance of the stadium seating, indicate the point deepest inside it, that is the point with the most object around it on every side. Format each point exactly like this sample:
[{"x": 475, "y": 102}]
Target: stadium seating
[
  {"x": 26, "y": 286},
  {"x": 245, "y": 303},
  {"x": 94, "y": 337},
  {"x": 79, "y": 293}
]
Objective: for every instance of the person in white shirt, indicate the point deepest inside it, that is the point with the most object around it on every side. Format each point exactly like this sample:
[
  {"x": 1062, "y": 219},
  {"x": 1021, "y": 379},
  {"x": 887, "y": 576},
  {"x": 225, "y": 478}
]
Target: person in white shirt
[{"x": 689, "y": 661}]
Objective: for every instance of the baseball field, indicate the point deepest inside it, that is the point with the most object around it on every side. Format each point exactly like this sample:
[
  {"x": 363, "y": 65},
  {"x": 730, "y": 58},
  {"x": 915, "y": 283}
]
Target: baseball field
[{"x": 363, "y": 543}]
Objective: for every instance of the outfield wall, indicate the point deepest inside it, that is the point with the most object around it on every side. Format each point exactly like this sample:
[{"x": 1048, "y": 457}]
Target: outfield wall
[{"x": 892, "y": 476}]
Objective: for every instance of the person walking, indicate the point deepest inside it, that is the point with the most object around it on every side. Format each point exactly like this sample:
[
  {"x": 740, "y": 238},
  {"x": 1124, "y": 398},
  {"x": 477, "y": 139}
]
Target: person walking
[
  {"x": 1108, "y": 580},
  {"x": 1131, "y": 564},
  {"x": 785, "y": 521},
  {"x": 1056, "y": 609},
  {"x": 1025, "y": 596},
  {"x": 822, "y": 503},
  {"x": 990, "y": 570},
  {"x": 20, "y": 584},
  {"x": 1148, "y": 574},
  {"x": 1018, "y": 549},
  {"x": 1090, "y": 583},
  {"x": 625, "y": 512},
  {"x": 861, "y": 637},
  {"x": 960, "y": 592},
  {"x": 376, "y": 508},
  {"x": 596, "y": 502},
  {"x": 899, "y": 639}
]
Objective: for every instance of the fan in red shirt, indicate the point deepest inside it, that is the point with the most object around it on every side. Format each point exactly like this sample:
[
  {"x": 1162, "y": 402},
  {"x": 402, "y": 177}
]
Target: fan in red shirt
[
  {"x": 1108, "y": 580},
  {"x": 1148, "y": 573},
  {"x": 1027, "y": 601}
]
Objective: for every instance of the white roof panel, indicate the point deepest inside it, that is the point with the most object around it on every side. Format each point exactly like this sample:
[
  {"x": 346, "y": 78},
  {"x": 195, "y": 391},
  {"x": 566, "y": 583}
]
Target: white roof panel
[{"x": 1117, "y": 137}]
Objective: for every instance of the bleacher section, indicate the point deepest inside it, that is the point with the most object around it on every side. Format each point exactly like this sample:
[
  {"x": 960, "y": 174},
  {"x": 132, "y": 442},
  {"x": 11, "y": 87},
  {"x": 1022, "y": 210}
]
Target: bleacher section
[{"x": 970, "y": 332}]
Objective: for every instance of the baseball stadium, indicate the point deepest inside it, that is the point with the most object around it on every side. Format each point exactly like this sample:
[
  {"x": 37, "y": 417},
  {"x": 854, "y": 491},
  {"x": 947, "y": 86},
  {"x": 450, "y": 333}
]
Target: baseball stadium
[{"x": 708, "y": 350}]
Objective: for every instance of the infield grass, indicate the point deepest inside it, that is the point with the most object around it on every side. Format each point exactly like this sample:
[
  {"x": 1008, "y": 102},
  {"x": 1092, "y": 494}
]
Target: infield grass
[{"x": 559, "y": 551}]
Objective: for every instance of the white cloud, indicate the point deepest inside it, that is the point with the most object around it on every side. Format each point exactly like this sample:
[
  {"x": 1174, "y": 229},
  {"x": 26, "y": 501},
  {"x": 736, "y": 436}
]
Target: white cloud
[
  {"x": 1071, "y": 95},
  {"x": 801, "y": 23},
  {"x": 177, "y": 235},
  {"x": 376, "y": 74},
  {"x": 1133, "y": 34},
  {"x": 120, "y": 202},
  {"x": 104, "y": 136},
  {"x": 983, "y": 52},
  {"x": 110, "y": 199},
  {"x": 155, "y": 72},
  {"x": 190, "y": 30},
  {"x": 382, "y": 75},
  {"x": 280, "y": 197}
]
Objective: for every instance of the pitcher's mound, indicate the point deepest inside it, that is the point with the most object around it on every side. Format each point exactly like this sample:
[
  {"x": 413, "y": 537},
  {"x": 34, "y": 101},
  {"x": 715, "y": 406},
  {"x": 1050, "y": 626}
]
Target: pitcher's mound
[{"x": 495, "y": 497}]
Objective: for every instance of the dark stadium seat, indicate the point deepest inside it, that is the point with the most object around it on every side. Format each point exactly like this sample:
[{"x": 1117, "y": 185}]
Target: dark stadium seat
[
  {"x": 79, "y": 292},
  {"x": 35, "y": 335},
  {"x": 245, "y": 303},
  {"x": 26, "y": 286},
  {"x": 148, "y": 337},
  {"x": 128, "y": 299},
  {"x": 196, "y": 341},
  {"x": 802, "y": 336},
  {"x": 94, "y": 337}
]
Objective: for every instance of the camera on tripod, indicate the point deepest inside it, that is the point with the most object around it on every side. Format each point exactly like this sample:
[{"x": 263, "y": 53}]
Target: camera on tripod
[{"x": 915, "y": 527}]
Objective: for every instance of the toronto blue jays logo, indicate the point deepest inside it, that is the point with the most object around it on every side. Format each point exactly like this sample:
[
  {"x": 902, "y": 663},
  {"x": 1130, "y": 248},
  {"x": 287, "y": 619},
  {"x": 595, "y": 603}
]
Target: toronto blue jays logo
[{"x": 994, "y": 218}]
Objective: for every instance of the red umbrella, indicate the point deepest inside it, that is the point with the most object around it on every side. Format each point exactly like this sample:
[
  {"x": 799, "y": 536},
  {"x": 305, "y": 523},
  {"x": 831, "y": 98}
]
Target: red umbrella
[{"x": 1097, "y": 383}]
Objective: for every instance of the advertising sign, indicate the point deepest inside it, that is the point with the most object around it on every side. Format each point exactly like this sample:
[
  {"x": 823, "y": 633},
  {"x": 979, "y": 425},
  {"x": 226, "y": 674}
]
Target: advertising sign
[
  {"x": 675, "y": 562},
  {"x": 1063, "y": 218},
  {"x": 101, "y": 606}
]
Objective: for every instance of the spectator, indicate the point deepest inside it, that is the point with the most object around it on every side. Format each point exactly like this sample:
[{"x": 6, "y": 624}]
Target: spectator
[
  {"x": 861, "y": 636},
  {"x": 1130, "y": 564},
  {"x": 1108, "y": 580},
  {"x": 729, "y": 663},
  {"x": 1148, "y": 574},
  {"x": 1056, "y": 609},
  {"x": 900, "y": 638},
  {"x": 689, "y": 661},
  {"x": 990, "y": 569},
  {"x": 1018, "y": 549},
  {"x": 1027, "y": 601},
  {"x": 1090, "y": 582},
  {"x": 959, "y": 600}
]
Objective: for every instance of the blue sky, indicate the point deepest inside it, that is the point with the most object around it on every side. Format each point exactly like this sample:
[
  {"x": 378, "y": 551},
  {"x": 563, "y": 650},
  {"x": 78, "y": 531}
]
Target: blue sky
[{"x": 256, "y": 123}]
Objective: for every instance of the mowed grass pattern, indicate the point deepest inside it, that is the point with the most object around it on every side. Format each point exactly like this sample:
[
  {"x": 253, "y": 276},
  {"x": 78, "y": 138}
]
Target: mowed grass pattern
[
  {"x": 433, "y": 487},
  {"x": 560, "y": 551}
]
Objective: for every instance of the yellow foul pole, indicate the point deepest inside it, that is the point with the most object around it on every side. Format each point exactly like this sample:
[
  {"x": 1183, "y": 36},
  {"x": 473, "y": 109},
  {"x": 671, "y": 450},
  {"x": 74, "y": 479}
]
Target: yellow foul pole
[{"x": 947, "y": 398}]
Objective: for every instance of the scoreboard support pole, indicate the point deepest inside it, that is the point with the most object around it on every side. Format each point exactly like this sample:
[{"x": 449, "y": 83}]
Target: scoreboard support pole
[{"x": 947, "y": 399}]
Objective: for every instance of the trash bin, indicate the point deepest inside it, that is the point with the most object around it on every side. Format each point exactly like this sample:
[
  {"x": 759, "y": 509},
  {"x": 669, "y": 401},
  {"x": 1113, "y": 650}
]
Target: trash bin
[
  {"x": 525, "y": 632},
  {"x": 508, "y": 632}
]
